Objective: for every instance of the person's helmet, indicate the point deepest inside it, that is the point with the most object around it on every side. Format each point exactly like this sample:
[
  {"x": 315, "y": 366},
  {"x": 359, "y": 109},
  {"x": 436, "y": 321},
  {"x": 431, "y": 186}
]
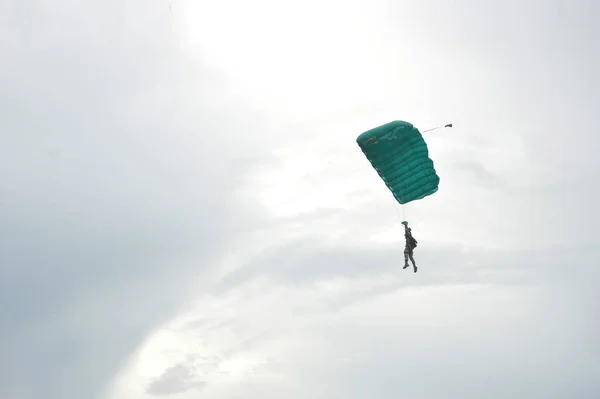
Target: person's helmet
[{"x": 409, "y": 229}]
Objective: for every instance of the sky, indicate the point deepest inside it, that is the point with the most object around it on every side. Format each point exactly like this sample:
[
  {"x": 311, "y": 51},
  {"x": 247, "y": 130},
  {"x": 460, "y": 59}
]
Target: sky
[{"x": 185, "y": 213}]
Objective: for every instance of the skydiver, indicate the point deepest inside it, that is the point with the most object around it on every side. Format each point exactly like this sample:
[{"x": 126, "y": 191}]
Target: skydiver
[{"x": 411, "y": 244}]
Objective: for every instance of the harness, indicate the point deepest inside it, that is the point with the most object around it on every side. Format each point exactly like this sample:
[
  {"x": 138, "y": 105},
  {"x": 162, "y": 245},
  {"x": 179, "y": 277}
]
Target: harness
[{"x": 411, "y": 243}]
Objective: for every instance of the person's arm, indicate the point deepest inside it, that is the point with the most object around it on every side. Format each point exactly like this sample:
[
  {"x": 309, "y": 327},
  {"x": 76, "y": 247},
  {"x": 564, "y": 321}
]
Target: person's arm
[{"x": 405, "y": 223}]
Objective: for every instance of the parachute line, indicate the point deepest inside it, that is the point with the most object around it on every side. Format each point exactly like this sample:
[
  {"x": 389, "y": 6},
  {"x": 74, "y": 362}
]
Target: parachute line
[{"x": 437, "y": 127}]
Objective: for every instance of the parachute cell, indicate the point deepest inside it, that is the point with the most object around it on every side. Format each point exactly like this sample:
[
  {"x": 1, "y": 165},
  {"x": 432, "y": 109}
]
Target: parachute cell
[{"x": 399, "y": 154}]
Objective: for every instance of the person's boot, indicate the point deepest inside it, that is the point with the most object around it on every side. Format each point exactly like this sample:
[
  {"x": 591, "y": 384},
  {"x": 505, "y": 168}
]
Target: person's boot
[
  {"x": 415, "y": 266},
  {"x": 405, "y": 266}
]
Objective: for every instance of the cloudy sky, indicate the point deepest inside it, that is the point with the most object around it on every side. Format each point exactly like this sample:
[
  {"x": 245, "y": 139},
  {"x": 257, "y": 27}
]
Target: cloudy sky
[{"x": 184, "y": 211}]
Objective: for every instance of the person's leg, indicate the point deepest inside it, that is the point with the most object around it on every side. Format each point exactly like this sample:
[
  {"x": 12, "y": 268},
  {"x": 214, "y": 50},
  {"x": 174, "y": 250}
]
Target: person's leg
[
  {"x": 405, "y": 258},
  {"x": 410, "y": 254}
]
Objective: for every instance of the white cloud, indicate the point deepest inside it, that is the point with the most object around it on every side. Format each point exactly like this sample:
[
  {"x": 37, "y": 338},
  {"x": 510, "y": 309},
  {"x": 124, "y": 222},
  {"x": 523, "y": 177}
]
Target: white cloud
[
  {"x": 186, "y": 212},
  {"x": 347, "y": 336}
]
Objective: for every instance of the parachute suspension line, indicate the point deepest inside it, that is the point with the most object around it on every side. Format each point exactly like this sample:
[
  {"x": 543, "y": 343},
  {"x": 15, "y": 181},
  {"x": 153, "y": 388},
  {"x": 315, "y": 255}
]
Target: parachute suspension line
[
  {"x": 437, "y": 127},
  {"x": 403, "y": 216},
  {"x": 396, "y": 206}
]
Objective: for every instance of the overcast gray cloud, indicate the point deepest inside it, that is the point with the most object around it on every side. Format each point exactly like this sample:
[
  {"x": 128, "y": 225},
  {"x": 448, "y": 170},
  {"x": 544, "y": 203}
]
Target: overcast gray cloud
[
  {"x": 185, "y": 212},
  {"x": 114, "y": 189}
]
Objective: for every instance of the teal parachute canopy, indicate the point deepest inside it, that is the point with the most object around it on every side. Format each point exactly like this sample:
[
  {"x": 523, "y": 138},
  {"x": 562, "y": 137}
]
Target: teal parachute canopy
[{"x": 399, "y": 154}]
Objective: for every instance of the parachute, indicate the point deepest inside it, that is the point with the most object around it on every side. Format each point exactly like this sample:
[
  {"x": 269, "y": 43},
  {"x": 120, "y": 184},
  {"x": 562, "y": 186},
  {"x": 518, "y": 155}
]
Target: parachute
[{"x": 399, "y": 154}]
